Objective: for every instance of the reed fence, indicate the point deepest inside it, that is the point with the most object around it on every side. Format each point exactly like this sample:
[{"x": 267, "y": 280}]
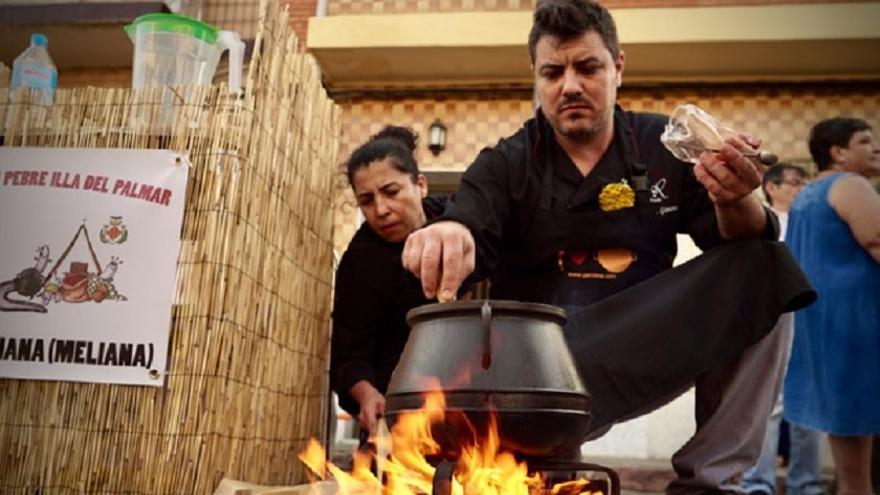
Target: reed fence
[
  {"x": 249, "y": 339},
  {"x": 4, "y": 75}
]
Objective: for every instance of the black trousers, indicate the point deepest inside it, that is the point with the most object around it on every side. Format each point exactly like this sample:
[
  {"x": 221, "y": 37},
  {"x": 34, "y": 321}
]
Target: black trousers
[{"x": 639, "y": 348}]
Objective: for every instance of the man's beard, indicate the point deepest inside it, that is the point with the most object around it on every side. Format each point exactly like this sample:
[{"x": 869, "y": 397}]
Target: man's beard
[{"x": 582, "y": 133}]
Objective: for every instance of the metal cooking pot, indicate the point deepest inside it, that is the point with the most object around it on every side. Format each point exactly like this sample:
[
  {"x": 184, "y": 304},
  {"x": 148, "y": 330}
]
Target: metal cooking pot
[{"x": 502, "y": 356}]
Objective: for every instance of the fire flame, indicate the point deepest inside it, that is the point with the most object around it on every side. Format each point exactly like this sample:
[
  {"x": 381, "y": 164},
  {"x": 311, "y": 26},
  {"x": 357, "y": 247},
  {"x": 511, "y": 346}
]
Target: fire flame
[{"x": 483, "y": 469}]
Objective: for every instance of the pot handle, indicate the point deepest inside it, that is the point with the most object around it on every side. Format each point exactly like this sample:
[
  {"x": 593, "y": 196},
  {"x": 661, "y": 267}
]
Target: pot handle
[{"x": 486, "y": 313}]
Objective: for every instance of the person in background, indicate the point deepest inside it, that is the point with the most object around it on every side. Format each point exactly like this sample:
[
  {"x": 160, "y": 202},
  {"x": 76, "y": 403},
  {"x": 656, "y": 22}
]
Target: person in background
[
  {"x": 833, "y": 380},
  {"x": 580, "y": 208},
  {"x": 781, "y": 184},
  {"x": 373, "y": 292}
]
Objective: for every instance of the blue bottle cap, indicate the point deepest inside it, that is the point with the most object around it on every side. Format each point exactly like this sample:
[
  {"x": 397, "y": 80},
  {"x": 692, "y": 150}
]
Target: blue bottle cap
[{"x": 38, "y": 39}]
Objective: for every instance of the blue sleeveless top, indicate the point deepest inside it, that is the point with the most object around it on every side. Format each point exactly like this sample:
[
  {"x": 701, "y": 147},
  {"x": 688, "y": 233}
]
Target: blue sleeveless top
[{"x": 833, "y": 380}]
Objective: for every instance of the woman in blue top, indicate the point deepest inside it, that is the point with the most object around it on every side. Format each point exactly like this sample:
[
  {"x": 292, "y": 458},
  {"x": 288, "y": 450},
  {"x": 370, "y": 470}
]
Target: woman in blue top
[{"x": 833, "y": 381}]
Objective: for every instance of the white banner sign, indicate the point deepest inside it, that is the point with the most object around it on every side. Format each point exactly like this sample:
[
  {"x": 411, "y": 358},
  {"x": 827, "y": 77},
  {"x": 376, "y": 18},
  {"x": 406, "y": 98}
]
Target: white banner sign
[{"x": 89, "y": 240}]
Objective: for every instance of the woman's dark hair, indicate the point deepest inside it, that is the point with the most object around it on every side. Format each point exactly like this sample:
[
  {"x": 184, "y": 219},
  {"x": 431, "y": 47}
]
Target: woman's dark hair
[
  {"x": 396, "y": 143},
  {"x": 836, "y": 131},
  {"x": 568, "y": 19}
]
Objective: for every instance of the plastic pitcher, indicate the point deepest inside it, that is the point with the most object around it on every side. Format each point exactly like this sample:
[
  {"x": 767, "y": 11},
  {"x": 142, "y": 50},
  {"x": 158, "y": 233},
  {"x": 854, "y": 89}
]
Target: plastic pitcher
[{"x": 174, "y": 50}]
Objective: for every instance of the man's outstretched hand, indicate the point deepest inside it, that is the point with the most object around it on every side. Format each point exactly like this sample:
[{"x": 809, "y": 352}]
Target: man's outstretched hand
[
  {"x": 442, "y": 255},
  {"x": 728, "y": 174}
]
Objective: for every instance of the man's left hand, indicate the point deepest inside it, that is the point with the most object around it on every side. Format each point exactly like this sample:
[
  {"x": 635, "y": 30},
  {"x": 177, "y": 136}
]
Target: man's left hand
[{"x": 728, "y": 175}]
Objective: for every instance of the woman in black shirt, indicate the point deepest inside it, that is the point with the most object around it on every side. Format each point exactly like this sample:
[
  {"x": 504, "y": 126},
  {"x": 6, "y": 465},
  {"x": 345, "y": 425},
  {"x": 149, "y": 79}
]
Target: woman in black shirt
[{"x": 373, "y": 291}]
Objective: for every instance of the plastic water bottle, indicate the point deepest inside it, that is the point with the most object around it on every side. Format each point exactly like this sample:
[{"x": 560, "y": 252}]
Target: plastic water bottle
[{"x": 34, "y": 69}]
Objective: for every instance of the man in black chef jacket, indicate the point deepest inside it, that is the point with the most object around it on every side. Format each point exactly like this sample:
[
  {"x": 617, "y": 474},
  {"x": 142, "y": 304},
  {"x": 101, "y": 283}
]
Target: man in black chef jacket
[{"x": 580, "y": 209}]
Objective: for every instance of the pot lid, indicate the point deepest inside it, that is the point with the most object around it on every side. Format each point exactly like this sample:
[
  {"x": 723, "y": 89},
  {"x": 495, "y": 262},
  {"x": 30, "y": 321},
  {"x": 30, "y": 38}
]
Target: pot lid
[
  {"x": 174, "y": 23},
  {"x": 499, "y": 308}
]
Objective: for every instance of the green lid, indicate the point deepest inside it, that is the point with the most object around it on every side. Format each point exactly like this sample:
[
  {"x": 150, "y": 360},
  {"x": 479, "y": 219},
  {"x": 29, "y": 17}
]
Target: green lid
[{"x": 173, "y": 23}]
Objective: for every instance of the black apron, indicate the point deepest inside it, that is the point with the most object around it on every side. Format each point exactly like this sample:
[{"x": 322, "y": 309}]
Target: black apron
[{"x": 665, "y": 327}]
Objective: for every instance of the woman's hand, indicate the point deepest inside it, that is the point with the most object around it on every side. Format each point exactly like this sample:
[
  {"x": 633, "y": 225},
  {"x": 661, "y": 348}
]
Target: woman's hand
[{"x": 372, "y": 404}]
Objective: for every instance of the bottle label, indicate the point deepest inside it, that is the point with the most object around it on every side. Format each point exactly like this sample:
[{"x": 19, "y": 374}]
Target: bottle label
[{"x": 38, "y": 76}]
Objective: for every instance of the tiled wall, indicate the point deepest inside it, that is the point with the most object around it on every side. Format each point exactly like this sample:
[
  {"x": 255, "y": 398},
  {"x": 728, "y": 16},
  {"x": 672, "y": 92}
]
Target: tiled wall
[
  {"x": 235, "y": 15},
  {"x": 472, "y": 123},
  {"x": 781, "y": 116},
  {"x": 360, "y": 7},
  {"x": 241, "y": 15}
]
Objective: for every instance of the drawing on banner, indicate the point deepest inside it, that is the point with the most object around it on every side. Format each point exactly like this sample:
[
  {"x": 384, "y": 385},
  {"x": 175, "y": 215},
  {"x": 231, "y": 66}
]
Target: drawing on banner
[
  {"x": 114, "y": 231},
  {"x": 78, "y": 284}
]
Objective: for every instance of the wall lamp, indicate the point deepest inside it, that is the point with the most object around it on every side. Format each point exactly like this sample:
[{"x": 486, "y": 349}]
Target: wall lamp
[{"x": 437, "y": 137}]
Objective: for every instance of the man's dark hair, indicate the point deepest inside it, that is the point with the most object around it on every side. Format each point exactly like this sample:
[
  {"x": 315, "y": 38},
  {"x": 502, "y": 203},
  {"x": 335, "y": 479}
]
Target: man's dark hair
[
  {"x": 569, "y": 19},
  {"x": 396, "y": 143},
  {"x": 835, "y": 131},
  {"x": 776, "y": 174}
]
